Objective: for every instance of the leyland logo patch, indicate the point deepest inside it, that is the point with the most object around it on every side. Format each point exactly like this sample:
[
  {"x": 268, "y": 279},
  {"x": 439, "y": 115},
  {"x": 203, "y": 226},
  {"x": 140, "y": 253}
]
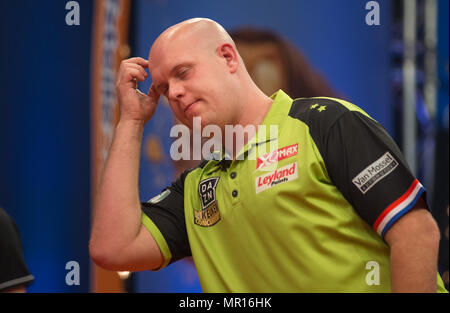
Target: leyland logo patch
[
  {"x": 209, "y": 214},
  {"x": 276, "y": 155},
  {"x": 281, "y": 175},
  {"x": 375, "y": 172}
]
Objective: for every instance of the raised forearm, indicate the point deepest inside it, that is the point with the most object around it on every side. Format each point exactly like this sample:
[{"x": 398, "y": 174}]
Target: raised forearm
[
  {"x": 117, "y": 214},
  {"x": 116, "y": 238}
]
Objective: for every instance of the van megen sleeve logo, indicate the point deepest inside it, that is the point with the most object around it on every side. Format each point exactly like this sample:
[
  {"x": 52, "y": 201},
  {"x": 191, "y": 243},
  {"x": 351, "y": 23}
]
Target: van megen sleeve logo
[{"x": 209, "y": 214}]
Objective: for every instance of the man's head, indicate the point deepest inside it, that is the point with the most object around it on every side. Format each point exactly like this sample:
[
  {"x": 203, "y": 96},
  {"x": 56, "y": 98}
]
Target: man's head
[{"x": 195, "y": 64}]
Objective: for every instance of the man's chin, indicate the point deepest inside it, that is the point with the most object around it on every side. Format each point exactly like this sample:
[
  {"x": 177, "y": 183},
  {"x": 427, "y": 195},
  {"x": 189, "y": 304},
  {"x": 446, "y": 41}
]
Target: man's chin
[{"x": 200, "y": 122}]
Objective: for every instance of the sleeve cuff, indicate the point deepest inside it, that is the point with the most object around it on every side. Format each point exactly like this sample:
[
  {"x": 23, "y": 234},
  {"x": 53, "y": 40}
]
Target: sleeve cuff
[
  {"x": 21, "y": 281},
  {"x": 159, "y": 238},
  {"x": 398, "y": 208}
]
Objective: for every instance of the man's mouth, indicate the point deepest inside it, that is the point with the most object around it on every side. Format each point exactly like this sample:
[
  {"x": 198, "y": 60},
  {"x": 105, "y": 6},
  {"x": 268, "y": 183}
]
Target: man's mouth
[{"x": 190, "y": 107}]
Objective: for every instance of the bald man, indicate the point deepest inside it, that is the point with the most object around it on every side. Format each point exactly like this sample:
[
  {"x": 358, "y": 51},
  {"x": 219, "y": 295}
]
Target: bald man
[{"x": 321, "y": 220}]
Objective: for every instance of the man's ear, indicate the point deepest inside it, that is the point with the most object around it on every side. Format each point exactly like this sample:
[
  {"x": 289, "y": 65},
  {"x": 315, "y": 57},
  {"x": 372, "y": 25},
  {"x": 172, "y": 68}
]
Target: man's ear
[{"x": 229, "y": 53}]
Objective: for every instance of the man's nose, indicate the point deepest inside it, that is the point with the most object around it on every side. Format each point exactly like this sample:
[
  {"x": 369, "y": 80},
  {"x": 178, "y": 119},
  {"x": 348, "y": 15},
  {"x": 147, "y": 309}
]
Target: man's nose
[{"x": 176, "y": 91}]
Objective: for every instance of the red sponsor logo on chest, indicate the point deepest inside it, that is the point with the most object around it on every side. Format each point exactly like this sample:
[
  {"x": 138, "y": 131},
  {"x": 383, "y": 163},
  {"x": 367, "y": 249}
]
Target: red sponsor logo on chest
[
  {"x": 281, "y": 175},
  {"x": 276, "y": 155}
]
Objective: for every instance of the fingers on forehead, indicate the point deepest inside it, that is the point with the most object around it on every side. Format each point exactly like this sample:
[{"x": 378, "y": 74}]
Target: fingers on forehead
[{"x": 137, "y": 60}]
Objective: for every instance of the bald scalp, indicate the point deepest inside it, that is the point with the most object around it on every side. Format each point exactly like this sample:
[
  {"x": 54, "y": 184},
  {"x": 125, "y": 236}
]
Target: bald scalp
[{"x": 199, "y": 32}]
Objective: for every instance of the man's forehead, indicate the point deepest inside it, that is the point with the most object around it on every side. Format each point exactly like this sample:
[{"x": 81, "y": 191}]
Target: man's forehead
[
  {"x": 159, "y": 74},
  {"x": 167, "y": 61},
  {"x": 167, "y": 52},
  {"x": 183, "y": 43},
  {"x": 190, "y": 36},
  {"x": 166, "y": 65}
]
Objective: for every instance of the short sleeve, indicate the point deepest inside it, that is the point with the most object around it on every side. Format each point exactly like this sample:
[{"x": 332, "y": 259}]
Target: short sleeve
[
  {"x": 369, "y": 169},
  {"x": 163, "y": 216},
  {"x": 13, "y": 270}
]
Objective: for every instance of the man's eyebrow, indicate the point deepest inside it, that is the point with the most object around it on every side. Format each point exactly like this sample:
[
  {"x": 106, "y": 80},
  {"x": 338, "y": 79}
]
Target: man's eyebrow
[
  {"x": 177, "y": 67},
  {"x": 174, "y": 70}
]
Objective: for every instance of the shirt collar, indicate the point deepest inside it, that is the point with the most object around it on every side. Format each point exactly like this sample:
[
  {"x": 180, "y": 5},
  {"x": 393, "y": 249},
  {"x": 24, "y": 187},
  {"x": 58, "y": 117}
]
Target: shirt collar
[{"x": 278, "y": 112}]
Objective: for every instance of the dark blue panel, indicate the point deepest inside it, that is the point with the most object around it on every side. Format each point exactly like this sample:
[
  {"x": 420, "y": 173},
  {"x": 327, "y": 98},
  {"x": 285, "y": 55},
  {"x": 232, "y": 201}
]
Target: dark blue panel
[
  {"x": 443, "y": 53},
  {"x": 44, "y": 136}
]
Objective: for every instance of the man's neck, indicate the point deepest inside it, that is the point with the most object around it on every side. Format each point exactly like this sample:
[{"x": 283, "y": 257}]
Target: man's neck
[{"x": 253, "y": 114}]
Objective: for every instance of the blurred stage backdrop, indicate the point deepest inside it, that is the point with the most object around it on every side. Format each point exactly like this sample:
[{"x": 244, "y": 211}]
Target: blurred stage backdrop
[{"x": 58, "y": 108}]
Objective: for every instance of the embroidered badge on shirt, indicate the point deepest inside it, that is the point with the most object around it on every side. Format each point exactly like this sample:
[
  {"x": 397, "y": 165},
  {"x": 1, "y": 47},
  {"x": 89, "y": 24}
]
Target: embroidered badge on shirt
[{"x": 209, "y": 214}]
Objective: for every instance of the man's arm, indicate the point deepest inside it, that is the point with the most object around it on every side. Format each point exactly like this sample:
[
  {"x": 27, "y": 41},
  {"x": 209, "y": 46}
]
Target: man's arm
[
  {"x": 118, "y": 239},
  {"x": 369, "y": 169},
  {"x": 414, "y": 243}
]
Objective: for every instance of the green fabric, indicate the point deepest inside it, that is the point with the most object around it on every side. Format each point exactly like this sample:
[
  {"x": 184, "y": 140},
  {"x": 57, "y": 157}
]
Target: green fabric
[
  {"x": 283, "y": 227},
  {"x": 301, "y": 236},
  {"x": 161, "y": 242}
]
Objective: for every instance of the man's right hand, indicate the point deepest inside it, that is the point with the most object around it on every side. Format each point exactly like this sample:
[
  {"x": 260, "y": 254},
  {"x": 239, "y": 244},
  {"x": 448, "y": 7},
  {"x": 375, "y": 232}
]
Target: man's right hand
[{"x": 135, "y": 105}]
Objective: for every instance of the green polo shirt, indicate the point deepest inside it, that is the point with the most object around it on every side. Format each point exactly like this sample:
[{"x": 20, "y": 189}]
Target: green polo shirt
[{"x": 303, "y": 209}]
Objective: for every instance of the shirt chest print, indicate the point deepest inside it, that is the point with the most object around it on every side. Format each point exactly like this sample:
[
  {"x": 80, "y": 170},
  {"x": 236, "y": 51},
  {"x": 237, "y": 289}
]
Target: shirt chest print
[{"x": 276, "y": 155}]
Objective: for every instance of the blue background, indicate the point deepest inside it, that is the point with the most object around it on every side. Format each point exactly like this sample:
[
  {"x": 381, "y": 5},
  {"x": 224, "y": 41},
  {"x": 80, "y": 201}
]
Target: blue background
[{"x": 45, "y": 137}]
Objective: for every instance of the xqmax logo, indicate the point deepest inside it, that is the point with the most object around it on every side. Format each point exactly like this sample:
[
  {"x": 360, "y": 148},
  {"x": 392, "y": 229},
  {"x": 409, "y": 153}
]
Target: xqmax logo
[{"x": 276, "y": 155}]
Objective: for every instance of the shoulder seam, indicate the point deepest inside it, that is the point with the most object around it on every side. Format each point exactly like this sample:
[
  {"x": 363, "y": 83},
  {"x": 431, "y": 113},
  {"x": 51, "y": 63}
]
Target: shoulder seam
[{"x": 347, "y": 110}]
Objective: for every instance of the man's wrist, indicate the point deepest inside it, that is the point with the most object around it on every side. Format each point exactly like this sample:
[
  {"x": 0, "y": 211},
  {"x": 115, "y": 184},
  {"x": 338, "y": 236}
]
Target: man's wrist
[
  {"x": 129, "y": 130},
  {"x": 131, "y": 123}
]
